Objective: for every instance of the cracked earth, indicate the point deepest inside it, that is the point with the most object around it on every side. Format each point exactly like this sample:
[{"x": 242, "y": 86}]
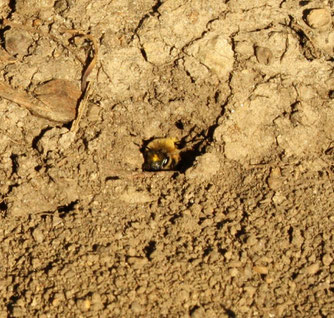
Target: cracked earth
[{"x": 245, "y": 230}]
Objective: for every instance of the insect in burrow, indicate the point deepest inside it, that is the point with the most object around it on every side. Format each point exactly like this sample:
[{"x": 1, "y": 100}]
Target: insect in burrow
[{"x": 161, "y": 154}]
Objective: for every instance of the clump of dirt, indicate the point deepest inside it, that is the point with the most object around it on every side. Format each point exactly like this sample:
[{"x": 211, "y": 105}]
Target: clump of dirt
[{"x": 243, "y": 229}]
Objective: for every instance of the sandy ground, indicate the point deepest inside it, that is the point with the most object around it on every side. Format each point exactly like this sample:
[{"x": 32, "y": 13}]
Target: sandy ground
[{"x": 245, "y": 229}]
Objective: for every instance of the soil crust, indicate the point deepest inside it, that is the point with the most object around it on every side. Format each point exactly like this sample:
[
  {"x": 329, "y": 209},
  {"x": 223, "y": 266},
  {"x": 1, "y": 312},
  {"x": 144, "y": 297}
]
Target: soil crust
[{"x": 245, "y": 228}]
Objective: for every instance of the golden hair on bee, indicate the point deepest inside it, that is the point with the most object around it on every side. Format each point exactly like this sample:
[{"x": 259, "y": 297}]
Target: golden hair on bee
[{"x": 161, "y": 154}]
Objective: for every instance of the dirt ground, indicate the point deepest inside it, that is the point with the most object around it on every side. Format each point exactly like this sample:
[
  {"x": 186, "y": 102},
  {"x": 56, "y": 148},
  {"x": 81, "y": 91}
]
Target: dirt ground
[{"x": 244, "y": 229}]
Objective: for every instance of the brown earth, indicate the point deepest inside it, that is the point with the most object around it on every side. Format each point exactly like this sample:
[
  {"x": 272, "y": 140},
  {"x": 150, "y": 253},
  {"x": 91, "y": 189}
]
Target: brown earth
[{"x": 245, "y": 229}]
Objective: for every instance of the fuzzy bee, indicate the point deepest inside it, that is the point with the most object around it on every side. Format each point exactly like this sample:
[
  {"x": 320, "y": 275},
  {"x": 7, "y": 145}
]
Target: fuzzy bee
[{"x": 161, "y": 154}]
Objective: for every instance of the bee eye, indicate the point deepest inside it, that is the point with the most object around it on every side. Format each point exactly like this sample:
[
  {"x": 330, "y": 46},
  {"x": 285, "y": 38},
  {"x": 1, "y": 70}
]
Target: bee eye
[{"x": 164, "y": 162}]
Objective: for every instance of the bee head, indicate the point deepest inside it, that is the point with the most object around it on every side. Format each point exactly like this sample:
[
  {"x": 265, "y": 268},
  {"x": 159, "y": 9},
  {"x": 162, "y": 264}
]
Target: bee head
[{"x": 156, "y": 160}]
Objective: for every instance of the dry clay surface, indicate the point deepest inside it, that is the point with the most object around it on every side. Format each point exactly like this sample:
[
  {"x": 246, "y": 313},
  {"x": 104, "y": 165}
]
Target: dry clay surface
[{"x": 246, "y": 229}]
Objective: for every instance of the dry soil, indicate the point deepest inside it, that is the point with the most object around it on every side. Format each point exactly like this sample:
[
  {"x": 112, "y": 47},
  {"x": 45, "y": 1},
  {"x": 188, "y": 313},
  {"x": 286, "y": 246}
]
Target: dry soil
[{"x": 245, "y": 228}]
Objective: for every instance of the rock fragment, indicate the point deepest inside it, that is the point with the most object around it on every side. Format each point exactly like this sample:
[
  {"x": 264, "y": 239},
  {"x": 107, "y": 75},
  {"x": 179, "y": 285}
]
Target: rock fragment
[
  {"x": 206, "y": 167},
  {"x": 319, "y": 18},
  {"x": 263, "y": 55}
]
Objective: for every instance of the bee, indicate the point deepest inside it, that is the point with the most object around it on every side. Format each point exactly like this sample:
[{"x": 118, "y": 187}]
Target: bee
[{"x": 161, "y": 154}]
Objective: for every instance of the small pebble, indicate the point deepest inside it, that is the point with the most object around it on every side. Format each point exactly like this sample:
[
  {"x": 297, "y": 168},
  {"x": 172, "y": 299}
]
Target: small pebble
[
  {"x": 137, "y": 261},
  {"x": 327, "y": 260},
  {"x": 136, "y": 307},
  {"x": 17, "y": 42},
  {"x": 319, "y": 18},
  {"x": 312, "y": 269},
  {"x": 263, "y": 55},
  {"x": 38, "y": 235},
  {"x": 275, "y": 179},
  {"x": 261, "y": 270}
]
